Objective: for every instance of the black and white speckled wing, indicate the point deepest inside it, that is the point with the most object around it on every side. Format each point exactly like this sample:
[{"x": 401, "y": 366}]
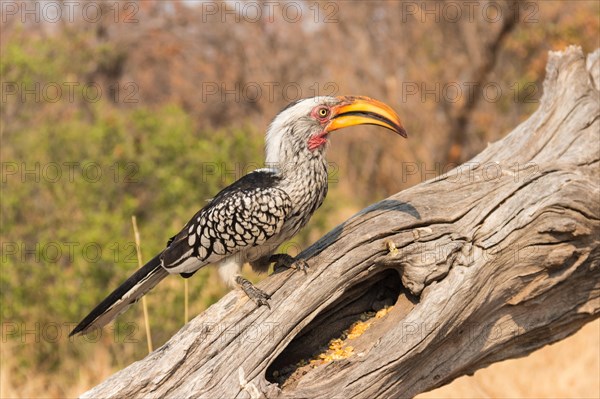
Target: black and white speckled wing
[{"x": 243, "y": 215}]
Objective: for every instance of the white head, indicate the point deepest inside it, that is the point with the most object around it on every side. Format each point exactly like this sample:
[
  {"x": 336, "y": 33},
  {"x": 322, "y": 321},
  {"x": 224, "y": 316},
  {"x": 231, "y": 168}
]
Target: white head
[{"x": 299, "y": 132}]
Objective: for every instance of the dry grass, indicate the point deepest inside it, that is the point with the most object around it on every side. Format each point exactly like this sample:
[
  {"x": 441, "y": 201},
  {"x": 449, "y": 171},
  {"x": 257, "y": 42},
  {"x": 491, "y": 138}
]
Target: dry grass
[
  {"x": 45, "y": 385},
  {"x": 566, "y": 369}
]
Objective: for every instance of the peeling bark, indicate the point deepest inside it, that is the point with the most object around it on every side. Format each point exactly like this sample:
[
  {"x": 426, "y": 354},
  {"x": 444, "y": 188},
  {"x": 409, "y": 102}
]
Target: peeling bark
[{"x": 491, "y": 261}]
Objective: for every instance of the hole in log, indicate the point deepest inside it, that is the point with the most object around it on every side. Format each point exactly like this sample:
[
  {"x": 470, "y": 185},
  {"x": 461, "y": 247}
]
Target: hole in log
[{"x": 371, "y": 295}]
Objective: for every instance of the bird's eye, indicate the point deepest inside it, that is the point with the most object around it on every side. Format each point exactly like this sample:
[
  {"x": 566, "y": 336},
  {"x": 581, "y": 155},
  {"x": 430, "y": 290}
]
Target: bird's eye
[{"x": 323, "y": 112}]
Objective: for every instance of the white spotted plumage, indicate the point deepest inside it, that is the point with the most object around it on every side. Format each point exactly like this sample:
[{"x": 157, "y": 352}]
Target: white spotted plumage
[
  {"x": 254, "y": 215},
  {"x": 246, "y": 221}
]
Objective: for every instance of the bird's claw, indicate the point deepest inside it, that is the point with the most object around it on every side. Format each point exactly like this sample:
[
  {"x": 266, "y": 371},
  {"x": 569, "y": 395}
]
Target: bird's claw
[
  {"x": 261, "y": 299},
  {"x": 300, "y": 265},
  {"x": 284, "y": 261},
  {"x": 257, "y": 295}
]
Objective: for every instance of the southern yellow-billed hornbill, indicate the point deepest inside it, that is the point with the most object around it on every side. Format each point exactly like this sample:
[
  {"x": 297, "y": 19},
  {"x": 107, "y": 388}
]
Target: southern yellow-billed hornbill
[{"x": 248, "y": 220}]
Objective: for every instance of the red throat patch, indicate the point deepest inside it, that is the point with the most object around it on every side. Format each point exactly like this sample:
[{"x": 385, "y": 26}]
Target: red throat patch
[{"x": 317, "y": 141}]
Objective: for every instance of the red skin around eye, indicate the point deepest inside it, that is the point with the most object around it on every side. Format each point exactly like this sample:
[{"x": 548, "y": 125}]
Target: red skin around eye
[{"x": 315, "y": 114}]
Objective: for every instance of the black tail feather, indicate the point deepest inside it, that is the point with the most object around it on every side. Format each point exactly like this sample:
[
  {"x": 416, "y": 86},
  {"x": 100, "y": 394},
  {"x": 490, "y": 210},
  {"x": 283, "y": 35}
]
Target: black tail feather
[{"x": 120, "y": 299}]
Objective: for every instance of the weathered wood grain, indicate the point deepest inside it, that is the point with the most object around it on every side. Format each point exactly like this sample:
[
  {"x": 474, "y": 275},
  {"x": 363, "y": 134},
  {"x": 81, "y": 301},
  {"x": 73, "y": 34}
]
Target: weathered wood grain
[{"x": 493, "y": 260}]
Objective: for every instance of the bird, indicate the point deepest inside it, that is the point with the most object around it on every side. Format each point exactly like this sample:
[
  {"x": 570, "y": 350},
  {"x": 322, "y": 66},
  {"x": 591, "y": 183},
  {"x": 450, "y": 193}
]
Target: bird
[{"x": 248, "y": 220}]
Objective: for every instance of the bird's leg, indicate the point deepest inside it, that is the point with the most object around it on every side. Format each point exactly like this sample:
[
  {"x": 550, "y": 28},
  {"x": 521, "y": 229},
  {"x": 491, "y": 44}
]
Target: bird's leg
[
  {"x": 258, "y": 296},
  {"x": 285, "y": 261}
]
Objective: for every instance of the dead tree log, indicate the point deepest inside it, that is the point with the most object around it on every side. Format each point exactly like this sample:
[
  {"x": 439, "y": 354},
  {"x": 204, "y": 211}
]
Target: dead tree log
[{"x": 491, "y": 261}]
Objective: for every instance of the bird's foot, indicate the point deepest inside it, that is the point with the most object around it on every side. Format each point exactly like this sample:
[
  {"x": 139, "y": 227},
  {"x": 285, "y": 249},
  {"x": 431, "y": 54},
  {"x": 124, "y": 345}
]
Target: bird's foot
[
  {"x": 285, "y": 261},
  {"x": 258, "y": 296}
]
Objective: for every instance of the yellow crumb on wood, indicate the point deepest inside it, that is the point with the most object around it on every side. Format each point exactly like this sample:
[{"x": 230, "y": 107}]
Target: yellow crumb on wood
[
  {"x": 338, "y": 348},
  {"x": 391, "y": 247},
  {"x": 383, "y": 312},
  {"x": 357, "y": 329}
]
